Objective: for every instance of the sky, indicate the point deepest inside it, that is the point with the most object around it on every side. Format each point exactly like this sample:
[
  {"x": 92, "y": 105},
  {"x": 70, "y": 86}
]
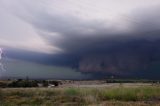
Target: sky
[{"x": 80, "y": 39}]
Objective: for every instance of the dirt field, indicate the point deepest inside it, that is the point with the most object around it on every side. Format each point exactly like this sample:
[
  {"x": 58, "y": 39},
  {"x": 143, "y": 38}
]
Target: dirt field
[{"x": 101, "y": 84}]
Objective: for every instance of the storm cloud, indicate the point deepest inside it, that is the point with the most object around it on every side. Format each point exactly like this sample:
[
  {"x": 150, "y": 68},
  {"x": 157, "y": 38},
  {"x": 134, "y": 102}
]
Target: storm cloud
[{"x": 122, "y": 39}]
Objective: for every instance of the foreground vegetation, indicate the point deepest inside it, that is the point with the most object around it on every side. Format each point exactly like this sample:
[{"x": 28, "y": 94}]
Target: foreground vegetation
[{"x": 117, "y": 96}]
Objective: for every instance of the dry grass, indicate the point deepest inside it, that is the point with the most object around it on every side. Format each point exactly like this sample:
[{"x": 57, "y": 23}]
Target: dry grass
[
  {"x": 119, "y": 96},
  {"x": 129, "y": 103}
]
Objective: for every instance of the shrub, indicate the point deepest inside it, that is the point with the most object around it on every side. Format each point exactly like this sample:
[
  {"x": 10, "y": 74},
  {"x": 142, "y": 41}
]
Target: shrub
[{"x": 71, "y": 91}]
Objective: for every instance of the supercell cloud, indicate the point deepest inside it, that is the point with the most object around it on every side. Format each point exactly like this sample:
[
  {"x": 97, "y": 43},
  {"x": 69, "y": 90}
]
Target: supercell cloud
[{"x": 96, "y": 37}]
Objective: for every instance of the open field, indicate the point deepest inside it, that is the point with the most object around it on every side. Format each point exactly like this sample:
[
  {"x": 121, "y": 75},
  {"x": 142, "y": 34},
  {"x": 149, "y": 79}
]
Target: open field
[{"x": 119, "y": 94}]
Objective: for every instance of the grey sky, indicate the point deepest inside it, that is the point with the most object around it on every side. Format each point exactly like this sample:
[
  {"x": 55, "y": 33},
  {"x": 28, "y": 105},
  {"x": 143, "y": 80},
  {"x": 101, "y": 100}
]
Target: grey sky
[
  {"x": 27, "y": 24},
  {"x": 74, "y": 33}
]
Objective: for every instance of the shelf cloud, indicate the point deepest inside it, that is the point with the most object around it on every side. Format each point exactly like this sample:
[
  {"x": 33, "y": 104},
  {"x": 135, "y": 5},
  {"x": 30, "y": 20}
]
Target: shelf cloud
[{"x": 105, "y": 37}]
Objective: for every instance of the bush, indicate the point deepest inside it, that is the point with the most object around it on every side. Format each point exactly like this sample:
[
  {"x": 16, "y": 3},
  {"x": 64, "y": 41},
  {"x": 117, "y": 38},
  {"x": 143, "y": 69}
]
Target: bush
[
  {"x": 71, "y": 92},
  {"x": 23, "y": 83}
]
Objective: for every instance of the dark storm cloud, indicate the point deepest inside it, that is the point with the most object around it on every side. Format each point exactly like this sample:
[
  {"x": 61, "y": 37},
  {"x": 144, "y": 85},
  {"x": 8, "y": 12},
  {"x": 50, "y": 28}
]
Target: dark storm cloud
[
  {"x": 98, "y": 45},
  {"x": 36, "y": 57},
  {"x": 72, "y": 34}
]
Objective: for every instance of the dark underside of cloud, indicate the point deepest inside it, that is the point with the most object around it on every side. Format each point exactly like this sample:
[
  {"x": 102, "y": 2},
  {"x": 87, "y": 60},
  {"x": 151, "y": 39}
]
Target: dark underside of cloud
[
  {"x": 132, "y": 57},
  {"x": 92, "y": 47}
]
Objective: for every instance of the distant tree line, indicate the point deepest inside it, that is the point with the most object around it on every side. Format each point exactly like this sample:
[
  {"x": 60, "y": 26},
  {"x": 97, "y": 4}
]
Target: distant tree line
[
  {"x": 131, "y": 81},
  {"x": 27, "y": 83}
]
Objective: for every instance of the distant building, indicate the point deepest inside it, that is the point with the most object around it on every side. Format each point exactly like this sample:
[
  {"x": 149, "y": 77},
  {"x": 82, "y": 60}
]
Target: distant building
[
  {"x": 51, "y": 86},
  {"x": 40, "y": 85}
]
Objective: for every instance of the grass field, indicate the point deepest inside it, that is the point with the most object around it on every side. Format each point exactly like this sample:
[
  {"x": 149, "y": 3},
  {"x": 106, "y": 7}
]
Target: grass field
[{"x": 71, "y": 96}]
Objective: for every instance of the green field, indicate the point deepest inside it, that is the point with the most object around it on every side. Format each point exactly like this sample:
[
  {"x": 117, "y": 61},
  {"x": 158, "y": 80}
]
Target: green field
[{"x": 71, "y": 96}]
